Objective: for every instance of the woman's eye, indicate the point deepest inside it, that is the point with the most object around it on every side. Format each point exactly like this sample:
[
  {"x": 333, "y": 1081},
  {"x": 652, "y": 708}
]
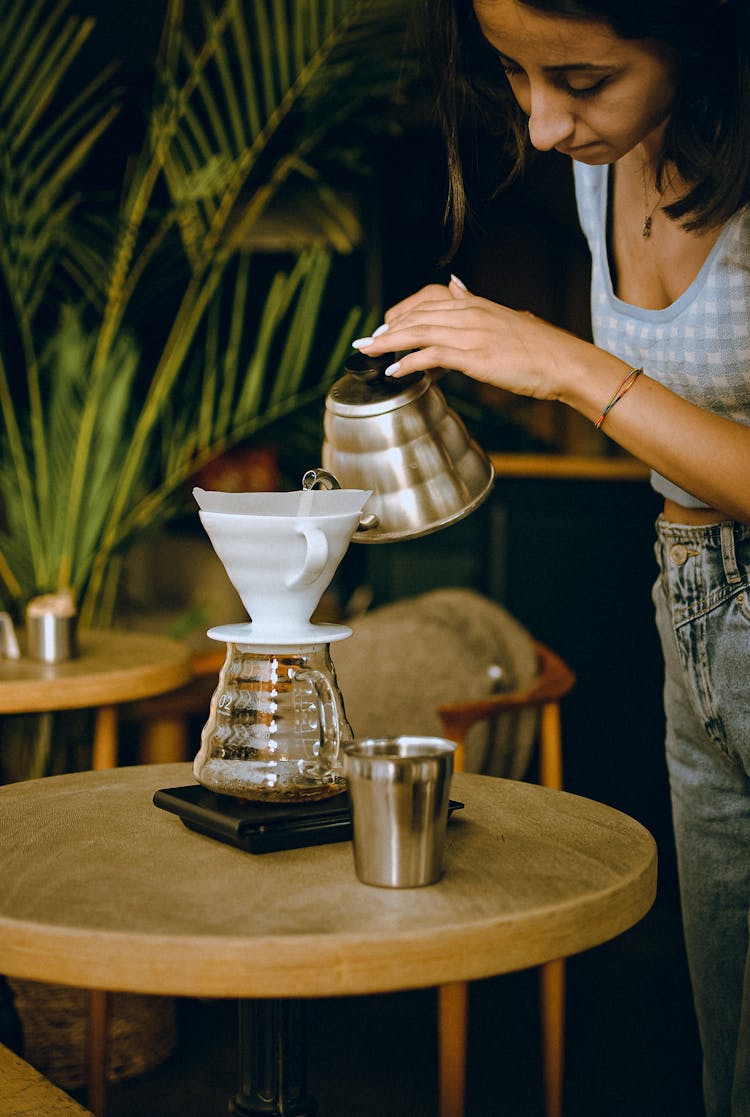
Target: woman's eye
[
  {"x": 579, "y": 85},
  {"x": 583, "y": 91}
]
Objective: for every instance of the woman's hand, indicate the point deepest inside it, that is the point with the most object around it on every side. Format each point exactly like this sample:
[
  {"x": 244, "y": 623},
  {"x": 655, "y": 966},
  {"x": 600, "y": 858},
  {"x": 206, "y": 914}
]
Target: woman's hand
[
  {"x": 702, "y": 452},
  {"x": 450, "y": 328}
]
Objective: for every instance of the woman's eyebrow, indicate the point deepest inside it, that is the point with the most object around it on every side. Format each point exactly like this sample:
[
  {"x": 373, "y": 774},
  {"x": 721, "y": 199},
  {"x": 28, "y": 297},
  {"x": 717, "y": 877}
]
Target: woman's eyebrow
[
  {"x": 559, "y": 67},
  {"x": 597, "y": 66}
]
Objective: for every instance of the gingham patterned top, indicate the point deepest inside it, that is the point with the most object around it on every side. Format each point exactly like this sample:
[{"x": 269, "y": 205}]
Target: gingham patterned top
[{"x": 699, "y": 347}]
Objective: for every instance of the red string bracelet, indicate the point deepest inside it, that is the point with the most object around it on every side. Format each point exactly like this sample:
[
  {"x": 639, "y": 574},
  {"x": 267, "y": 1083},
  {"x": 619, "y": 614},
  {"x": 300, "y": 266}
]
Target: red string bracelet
[{"x": 622, "y": 388}]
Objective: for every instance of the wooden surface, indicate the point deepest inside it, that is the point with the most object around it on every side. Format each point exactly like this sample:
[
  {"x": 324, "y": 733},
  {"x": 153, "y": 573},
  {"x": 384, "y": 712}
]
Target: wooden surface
[
  {"x": 113, "y": 666},
  {"x": 569, "y": 466},
  {"x": 26, "y": 1093},
  {"x": 100, "y": 888}
]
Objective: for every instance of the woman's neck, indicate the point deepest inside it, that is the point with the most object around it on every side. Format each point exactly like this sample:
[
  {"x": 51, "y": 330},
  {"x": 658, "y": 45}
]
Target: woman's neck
[{"x": 653, "y": 259}]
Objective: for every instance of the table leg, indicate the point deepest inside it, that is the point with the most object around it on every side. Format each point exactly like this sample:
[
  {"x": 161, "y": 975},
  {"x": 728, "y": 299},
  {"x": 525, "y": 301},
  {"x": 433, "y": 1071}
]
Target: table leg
[
  {"x": 11, "y": 1029},
  {"x": 453, "y": 1022},
  {"x": 96, "y": 1050},
  {"x": 273, "y": 1058},
  {"x": 104, "y": 756},
  {"x": 105, "y": 739}
]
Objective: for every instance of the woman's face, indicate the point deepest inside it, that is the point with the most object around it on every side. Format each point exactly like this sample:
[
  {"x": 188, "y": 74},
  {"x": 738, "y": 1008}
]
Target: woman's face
[{"x": 586, "y": 92}]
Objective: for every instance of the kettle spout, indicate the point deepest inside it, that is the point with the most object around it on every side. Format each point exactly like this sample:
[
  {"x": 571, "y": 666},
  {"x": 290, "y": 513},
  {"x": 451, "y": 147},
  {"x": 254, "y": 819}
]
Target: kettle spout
[{"x": 322, "y": 479}]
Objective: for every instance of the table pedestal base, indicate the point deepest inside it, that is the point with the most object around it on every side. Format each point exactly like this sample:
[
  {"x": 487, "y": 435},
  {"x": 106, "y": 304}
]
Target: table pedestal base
[{"x": 273, "y": 1061}]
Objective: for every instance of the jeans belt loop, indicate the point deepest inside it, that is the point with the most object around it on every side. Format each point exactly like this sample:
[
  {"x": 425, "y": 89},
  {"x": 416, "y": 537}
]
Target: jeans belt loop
[{"x": 728, "y": 555}]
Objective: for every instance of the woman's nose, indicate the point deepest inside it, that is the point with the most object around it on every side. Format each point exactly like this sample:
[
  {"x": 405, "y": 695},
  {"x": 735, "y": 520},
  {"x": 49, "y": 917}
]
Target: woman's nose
[{"x": 550, "y": 121}]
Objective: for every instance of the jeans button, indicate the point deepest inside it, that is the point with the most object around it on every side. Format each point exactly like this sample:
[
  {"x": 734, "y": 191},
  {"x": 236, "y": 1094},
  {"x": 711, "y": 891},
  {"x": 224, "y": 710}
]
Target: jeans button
[{"x": 678, "y": 553}]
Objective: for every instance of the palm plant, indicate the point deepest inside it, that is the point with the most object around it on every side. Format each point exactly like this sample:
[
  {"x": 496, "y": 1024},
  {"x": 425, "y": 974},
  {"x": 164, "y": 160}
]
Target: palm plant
[{"x": 136, "y": 345}]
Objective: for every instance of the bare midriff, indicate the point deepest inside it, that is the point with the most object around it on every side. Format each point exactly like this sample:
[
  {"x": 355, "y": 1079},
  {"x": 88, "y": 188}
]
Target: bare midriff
[{"x": 696, "y": 517}]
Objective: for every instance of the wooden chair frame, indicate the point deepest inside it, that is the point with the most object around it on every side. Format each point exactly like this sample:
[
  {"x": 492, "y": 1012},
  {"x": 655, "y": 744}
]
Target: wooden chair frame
[{"x": 553, "y": 682}]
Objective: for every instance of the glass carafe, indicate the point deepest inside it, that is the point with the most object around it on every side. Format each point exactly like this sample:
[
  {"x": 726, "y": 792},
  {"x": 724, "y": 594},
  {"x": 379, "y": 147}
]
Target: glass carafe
[{"x": 275, "y": 726}]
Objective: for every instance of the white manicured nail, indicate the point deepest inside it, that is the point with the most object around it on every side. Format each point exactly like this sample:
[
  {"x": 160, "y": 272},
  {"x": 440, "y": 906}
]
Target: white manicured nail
[
  {"x": 362, "y": 342},
  {"x": 380, "y": 330},
  {"x": 393, "y": 368},
  {"x": 459, "y": 283}
]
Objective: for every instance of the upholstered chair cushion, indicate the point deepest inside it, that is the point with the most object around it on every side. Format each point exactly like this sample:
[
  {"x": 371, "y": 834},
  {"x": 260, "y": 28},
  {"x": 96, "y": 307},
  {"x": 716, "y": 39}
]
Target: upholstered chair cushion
[{"x": 407, "y": 658}]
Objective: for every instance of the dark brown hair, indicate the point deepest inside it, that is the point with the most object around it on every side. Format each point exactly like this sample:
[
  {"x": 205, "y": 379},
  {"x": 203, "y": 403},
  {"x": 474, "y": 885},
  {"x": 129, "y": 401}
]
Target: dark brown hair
[{"x": 707, "y": 138}]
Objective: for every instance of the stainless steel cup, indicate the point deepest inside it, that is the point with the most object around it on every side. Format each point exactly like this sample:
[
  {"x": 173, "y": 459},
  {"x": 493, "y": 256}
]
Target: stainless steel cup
[
  {"x": 399, "y": 789},
  {"x": 51, "y": 638}
]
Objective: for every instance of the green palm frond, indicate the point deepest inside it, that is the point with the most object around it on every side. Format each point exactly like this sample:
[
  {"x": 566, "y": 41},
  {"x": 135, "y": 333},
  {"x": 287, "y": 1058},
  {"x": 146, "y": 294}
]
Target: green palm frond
[
  {"x": 43, "y": 145},
  {"x": 154, "y": 337},
  {"x": 234, "y": 398},
  {"x": 272, "y": 76},
  {"x": 304, "y": 212},
  {"x": 64, "y": 365},
  {"x": 41, "y": 151}
]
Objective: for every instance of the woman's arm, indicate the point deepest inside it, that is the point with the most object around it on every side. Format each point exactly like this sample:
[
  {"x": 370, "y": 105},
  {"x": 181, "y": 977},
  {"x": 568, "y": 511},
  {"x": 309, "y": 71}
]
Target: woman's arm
[{"x": 703, "y": 453}]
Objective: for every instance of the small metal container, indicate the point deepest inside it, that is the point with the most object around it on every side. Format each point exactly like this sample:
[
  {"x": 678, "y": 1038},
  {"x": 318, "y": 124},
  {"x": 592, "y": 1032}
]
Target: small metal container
[
  {"x": 400, "y": 439},
  {"x": 399, "y": 789},
  {"x": 51, "y": 638}
]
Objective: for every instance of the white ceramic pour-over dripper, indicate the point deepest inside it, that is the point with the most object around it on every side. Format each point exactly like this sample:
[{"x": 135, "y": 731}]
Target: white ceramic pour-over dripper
[{"x": 280, "y": 551}]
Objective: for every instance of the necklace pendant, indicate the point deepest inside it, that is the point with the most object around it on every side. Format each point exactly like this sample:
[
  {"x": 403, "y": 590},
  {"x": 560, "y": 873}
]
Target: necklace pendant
[{"x": 646, "y": 230}]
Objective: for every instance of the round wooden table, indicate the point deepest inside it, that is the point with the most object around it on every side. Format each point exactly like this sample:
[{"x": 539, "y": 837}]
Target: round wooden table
[
  {"x": 99, "y": 888},
  {"x": 113, "y": 666}
]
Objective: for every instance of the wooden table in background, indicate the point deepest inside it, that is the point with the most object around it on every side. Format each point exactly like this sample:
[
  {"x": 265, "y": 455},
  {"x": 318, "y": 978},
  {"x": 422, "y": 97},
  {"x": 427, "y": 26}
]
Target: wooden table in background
[
  {"x": 99, "y": 888},
  {"x": 113, "y": 666}
]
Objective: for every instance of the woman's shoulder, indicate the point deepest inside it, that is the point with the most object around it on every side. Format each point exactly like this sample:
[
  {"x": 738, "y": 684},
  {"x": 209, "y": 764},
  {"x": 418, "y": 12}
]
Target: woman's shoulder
[
  {"x": 742, "y": 221},
  {"x": 732, "y": 251}
]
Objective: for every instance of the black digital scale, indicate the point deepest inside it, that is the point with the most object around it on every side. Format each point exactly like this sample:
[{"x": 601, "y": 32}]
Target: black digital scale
[{"x": 262, "y": 827}]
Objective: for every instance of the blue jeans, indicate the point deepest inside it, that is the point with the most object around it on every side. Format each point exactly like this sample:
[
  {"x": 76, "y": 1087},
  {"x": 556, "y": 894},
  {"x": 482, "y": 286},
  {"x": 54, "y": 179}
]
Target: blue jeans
[{"x": 702, "y": 598}]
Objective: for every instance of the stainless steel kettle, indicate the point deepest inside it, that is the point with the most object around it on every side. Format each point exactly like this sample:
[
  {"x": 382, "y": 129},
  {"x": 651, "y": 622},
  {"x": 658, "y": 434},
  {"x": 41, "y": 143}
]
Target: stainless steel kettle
[{"x": 400, "y": 439}]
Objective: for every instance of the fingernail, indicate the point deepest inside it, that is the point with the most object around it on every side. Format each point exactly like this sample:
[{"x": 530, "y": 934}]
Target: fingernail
[
  {"x": 380, "y": 330},
  {"x": 459, "y": 283},
  {"x": 362, "y": 342},
  {"x": 393, "y": 368}
]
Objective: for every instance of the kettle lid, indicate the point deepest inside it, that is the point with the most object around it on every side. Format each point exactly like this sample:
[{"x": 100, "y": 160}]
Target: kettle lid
[{"x": 364, "y": 389}]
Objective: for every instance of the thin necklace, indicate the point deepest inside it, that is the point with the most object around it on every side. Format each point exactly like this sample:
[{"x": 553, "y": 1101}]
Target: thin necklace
[{"x": 648, "y": 217}]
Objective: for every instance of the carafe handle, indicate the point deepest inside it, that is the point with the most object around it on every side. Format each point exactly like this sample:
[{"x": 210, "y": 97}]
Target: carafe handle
[{"x": 330, "y": 736}]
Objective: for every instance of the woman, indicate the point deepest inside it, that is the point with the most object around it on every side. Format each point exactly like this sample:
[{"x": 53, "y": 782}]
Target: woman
[{"x": 650, "y": 99}]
